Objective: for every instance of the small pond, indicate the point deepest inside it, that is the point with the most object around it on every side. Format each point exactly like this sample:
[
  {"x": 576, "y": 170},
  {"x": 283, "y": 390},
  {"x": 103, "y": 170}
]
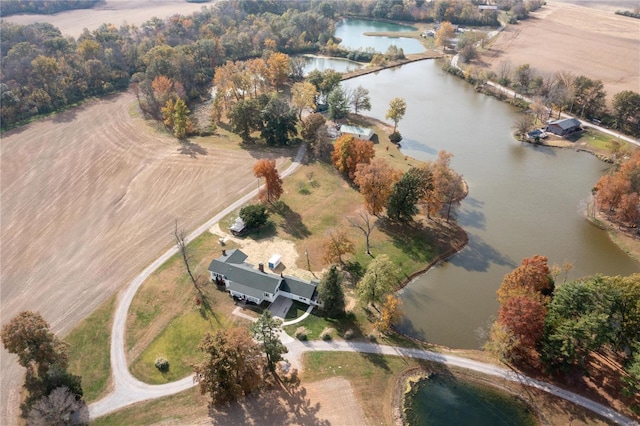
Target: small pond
[
  {"x": 351, "y": 31},
  {"x": 442, "y": 400},
  {"x": 321, "y": 63}
]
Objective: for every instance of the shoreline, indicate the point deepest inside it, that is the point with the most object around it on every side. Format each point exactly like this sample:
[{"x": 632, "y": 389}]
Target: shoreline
[{"x": 617, "y": 233}]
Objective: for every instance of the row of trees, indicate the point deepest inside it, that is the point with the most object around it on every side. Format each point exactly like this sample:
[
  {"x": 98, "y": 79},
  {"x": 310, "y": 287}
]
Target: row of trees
[
  {"x": 54, "y": 396},
  {"x": 458, "y": 12},
  {"x": 566, "y": 92},
  {"x": 559, "y": 327},
  {"x": 436, "y": 185}
]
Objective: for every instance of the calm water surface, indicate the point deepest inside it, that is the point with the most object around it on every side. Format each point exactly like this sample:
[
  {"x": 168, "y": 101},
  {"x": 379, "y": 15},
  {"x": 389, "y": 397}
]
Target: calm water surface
[
  {"x": 321, "y": 63},
  {"x": 351, "y": 32},
  {"x": 446, "y": 401},
  {"x": 523, "y": 200}
]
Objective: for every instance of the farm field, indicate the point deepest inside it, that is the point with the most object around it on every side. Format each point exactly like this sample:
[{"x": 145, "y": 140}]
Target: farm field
[
  {"x": 117, "y": 12},
  {"x": 90, "y": 198},
  {"x": 568, "y": 37}
]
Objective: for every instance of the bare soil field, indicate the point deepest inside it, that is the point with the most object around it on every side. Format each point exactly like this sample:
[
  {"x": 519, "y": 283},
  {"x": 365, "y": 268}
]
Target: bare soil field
[
  {"x": 567, "y": 37},
  {"x": 88, "y": 198},
  {"x": 117, "y": 12}
]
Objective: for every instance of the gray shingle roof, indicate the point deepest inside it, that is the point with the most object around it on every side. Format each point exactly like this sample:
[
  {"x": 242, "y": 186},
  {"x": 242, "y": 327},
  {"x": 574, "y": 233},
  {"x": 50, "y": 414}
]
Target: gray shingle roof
[
  {"x": 299, "y": 287},
  {"x": 566, "y": 123},
  {"x": 248, "y": 280}
]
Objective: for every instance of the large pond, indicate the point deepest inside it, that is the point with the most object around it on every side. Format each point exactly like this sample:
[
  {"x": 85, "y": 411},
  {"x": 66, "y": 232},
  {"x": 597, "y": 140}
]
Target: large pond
[
  {"x": 523, "y": 200},
  {"x": 351, "y": 31},
  {"x": 447, "y": 401}
]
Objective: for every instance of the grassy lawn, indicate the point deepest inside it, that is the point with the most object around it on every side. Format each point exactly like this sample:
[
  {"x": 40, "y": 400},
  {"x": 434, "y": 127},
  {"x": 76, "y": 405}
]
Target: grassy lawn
[
  {"x": 182, "y": 408},
  {"x": 89, "y": 350},
  {"x": 169, "y": 316},
  {"x": 177, "y": 343},
  {"x": 316, "y": 323},
  {"x": 599, "y": 142}
]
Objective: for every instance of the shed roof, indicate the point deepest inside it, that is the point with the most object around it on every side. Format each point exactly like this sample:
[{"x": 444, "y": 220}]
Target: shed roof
[
  {"x": 566, "y": 123},
  {"x": 355, "y": 130}
]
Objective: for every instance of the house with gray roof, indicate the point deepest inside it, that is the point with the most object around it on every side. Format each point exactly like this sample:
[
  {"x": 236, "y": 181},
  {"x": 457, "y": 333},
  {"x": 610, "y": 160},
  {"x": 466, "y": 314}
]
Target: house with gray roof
[
  {"x": 563, "y": 127},
  {"x": 256, "y": 285}
]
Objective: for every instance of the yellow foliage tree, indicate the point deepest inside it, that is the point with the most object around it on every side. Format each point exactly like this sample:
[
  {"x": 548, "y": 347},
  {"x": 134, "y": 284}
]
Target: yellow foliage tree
[
  {"x": 278, "y": 64},
  {"x": 389, "y": 313}
]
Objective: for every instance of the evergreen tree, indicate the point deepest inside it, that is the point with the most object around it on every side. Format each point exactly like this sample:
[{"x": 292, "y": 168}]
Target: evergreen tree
[
  {"x": 267, "y": 331},
  {"x": 411, "y": 188},
  {"x": 338, "y": 103},
  {"x": 330, "y": 292}
]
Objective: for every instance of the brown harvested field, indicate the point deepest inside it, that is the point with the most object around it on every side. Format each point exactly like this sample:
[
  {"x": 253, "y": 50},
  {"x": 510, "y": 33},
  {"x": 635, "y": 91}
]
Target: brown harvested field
[
  {"x": 88, "y": 198},
  {"x": 567, "y": 37},
  {"x": 117, "y": 12}
]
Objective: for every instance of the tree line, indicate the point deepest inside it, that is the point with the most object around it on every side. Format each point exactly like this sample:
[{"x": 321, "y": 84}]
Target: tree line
[
  {"x": 43, "y": 71},
  {"x": 558, "y": 327},
  {"x": 561, "y": 92},
  {"x": 14, "y": 7}
]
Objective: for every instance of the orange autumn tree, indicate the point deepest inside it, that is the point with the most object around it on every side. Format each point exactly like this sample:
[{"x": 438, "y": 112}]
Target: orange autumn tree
[
  {"x": 524, "y": 295},
  {"x": 273, "y": 184},
  {"x": 375, "y": 181},
  {"x": 348, "y": 152},
  {"x": 619, "y": 193},
  {"x": 532, "y": 278},
  {"x": 523, "y": 317}
]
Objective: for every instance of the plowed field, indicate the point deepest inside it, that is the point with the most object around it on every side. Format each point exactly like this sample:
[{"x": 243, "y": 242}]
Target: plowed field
[
  {"x": 583, "y": 40},
  {"x": 89, "y": 198}
]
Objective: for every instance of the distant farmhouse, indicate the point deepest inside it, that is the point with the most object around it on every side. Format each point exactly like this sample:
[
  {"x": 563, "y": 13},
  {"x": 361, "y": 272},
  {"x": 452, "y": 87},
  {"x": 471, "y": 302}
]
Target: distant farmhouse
[
  {"x": 563, "y": 127},
  {"x": 358, "y": 132},
  {"x": 243, "y": 281}
]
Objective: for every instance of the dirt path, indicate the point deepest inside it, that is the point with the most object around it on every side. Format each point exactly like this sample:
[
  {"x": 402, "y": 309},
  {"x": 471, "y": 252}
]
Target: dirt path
[{"x": 88, "y": 199}]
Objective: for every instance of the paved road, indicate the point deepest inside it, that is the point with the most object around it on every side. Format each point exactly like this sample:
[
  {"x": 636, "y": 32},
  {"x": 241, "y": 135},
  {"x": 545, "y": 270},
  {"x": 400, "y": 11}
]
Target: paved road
[{"x": 128, "y": 390}]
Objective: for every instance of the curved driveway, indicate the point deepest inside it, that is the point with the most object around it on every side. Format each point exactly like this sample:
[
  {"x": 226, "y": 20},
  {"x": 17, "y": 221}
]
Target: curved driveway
[{"x": 128, "y": 390}]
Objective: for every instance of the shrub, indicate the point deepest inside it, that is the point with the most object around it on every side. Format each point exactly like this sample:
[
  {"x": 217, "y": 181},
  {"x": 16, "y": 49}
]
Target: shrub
[
  {"x": 395, "y": 137},
  {"x": 162, "y": 364},
  {"x": 254, "y": 215},
  {"x": 326, "y": 333},
  {"x": 348, "y": 334},
  {"x": 301, "y": 333}
]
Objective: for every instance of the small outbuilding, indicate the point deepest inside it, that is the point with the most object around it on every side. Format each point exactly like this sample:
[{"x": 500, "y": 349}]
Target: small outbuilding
[
  {"x": 358, "y": 132},
  {"x": 563, "y": 127},
  {"x": 274, "y": 261}
]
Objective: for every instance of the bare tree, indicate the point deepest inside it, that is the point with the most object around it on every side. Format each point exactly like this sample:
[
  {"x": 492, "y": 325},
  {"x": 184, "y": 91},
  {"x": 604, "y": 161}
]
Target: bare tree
[
  {"x": 60, "y": 407},
  {"x": 523, "y": 125},
  {"x": 365, "y": 223},
  {"x": 180, "y": 237},
  {"x": 504, "y": 73}
]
